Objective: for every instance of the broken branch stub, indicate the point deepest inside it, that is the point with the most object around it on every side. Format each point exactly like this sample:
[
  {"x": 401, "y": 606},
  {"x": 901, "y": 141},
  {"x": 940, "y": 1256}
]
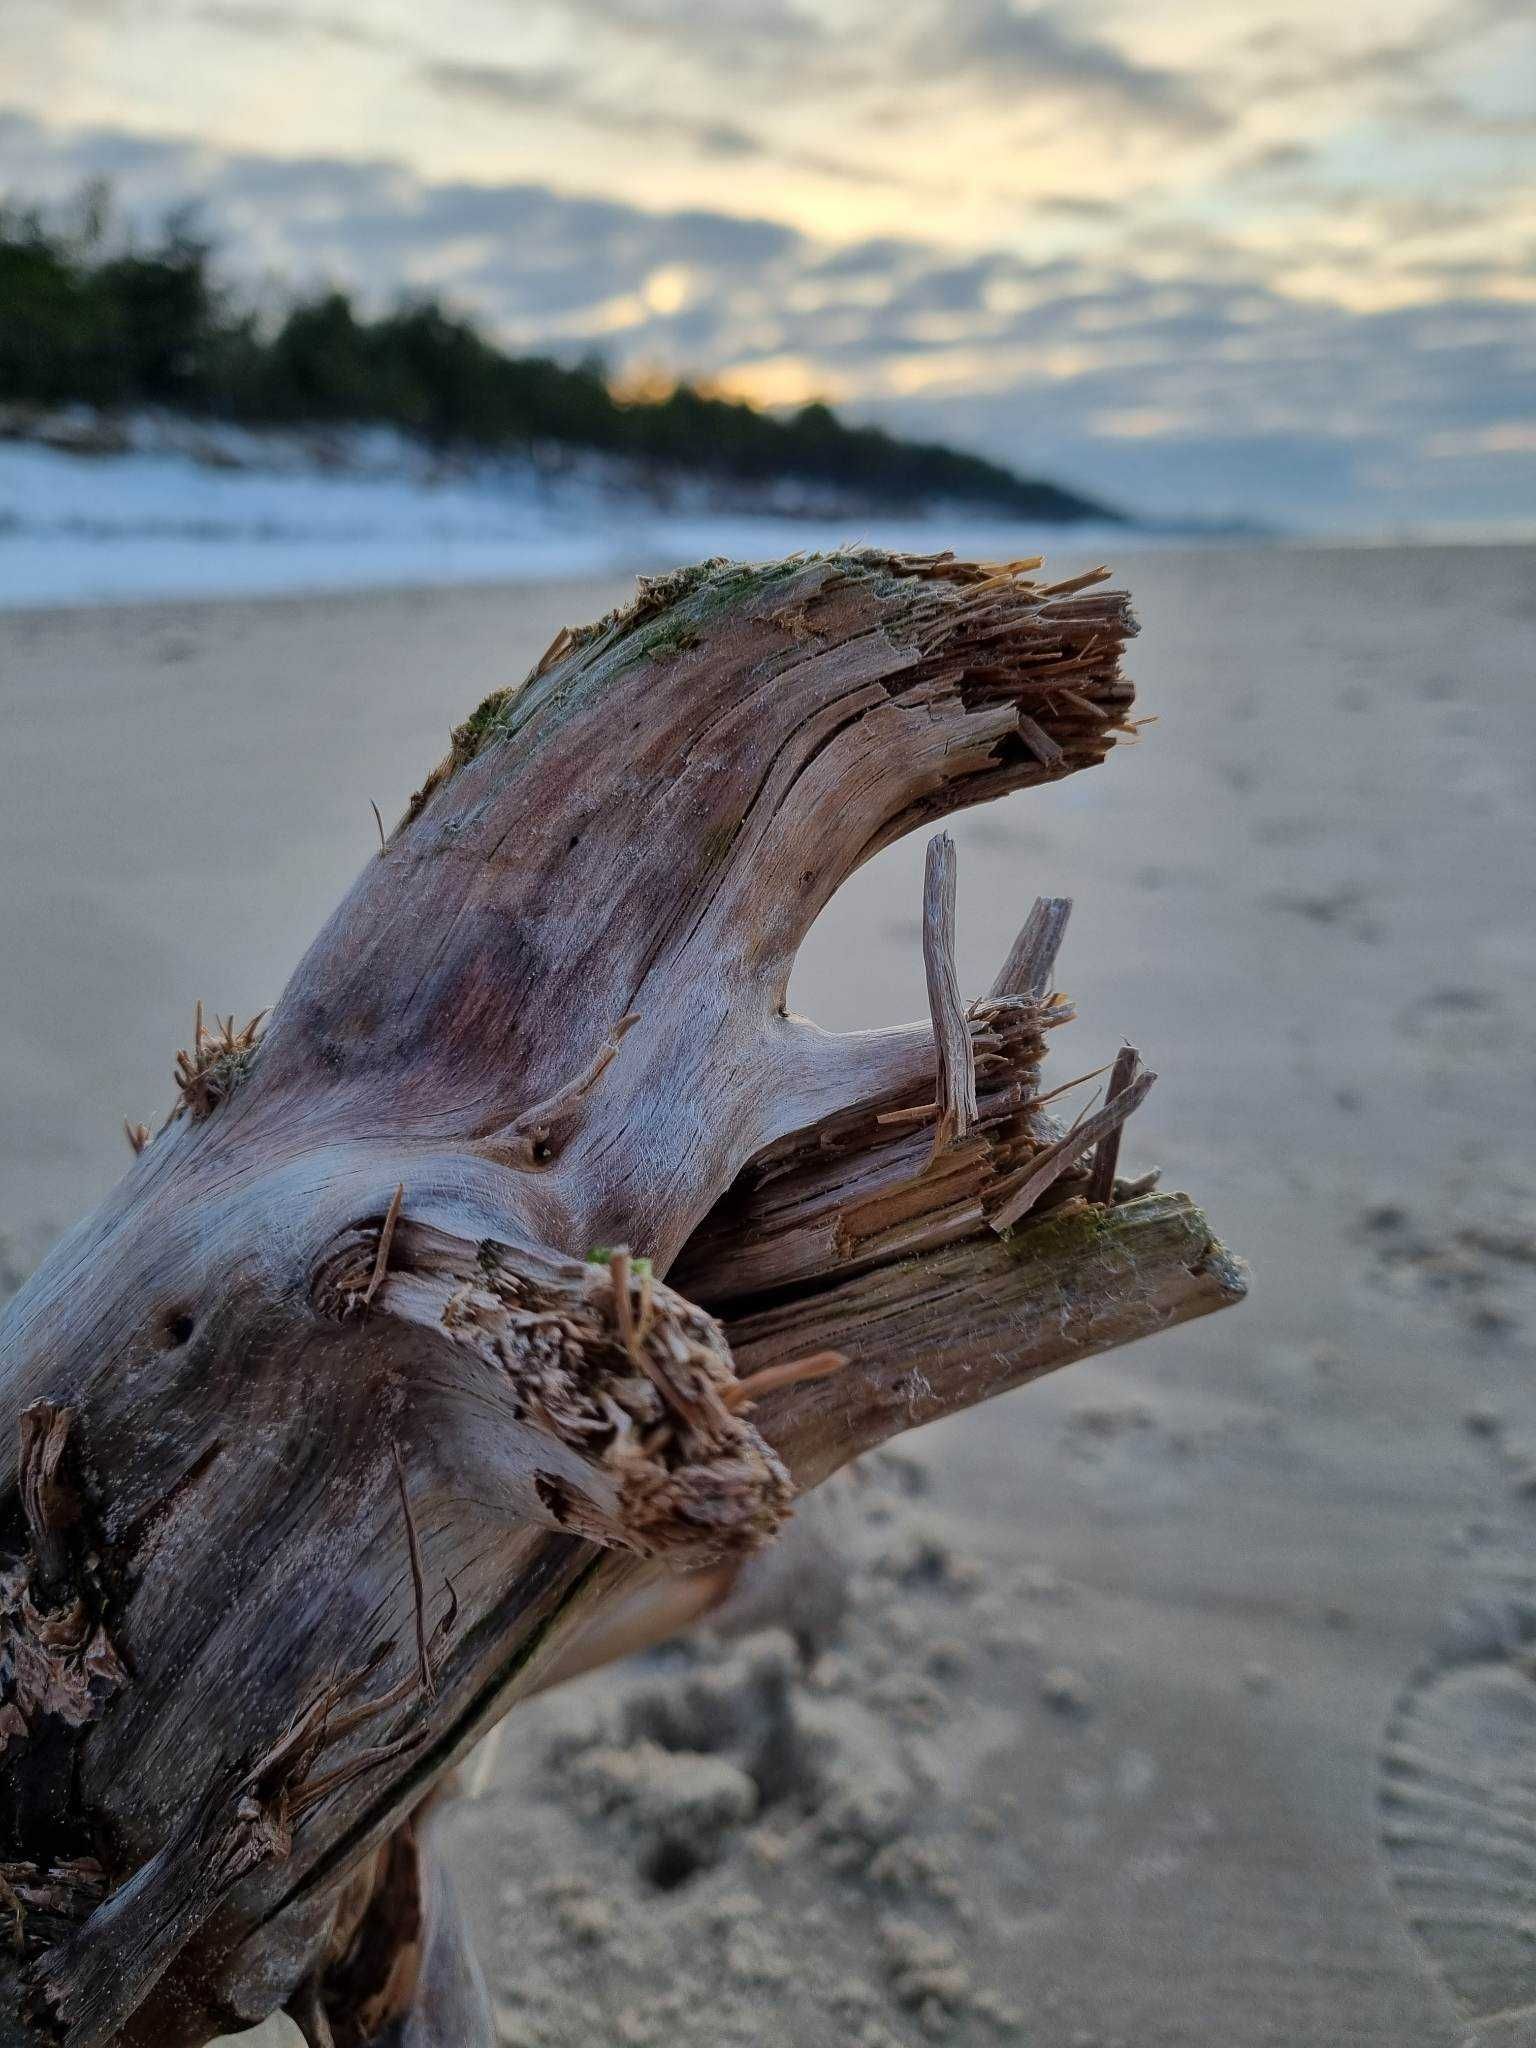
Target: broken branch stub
[
  {"x": 951, "y": 1040},
  {"x": 348, "y": 1419}
]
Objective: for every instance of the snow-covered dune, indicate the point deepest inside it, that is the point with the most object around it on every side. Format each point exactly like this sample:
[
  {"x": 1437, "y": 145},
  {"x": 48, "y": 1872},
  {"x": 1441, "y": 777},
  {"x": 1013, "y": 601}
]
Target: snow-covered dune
[{"x": 246, "y": 516}]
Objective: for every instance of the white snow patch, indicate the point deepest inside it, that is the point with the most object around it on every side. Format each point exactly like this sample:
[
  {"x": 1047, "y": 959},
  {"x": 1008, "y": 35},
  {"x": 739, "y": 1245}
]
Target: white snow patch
[{"x": 271, "y": 514}]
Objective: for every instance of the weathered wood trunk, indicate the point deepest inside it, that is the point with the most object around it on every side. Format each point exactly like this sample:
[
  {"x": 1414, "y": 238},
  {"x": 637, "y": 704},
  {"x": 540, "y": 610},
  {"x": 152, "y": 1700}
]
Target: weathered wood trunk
[{"x": 346, "y": 1420}]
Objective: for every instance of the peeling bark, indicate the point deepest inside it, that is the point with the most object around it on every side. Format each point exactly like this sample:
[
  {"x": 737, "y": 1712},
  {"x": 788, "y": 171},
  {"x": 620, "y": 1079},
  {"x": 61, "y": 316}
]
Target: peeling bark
[{"x": 477, "y": 1319}]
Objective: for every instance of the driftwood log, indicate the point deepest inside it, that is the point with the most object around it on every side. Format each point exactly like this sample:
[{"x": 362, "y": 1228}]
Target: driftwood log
[{"x": 361, "y": 1408}]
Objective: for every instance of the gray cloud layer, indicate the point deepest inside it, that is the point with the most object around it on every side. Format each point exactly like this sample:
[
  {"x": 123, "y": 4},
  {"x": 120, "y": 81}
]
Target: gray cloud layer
[
  {"x": 565, "y": 91},
  {"x": 1023, "y": 48}
]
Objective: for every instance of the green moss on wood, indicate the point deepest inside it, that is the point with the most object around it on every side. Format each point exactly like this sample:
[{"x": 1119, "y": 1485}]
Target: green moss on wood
[
  {"x": 1076, "y": 1227},
  {"x": 481, "y": 725},
  {"x": 668, "y": 615}
]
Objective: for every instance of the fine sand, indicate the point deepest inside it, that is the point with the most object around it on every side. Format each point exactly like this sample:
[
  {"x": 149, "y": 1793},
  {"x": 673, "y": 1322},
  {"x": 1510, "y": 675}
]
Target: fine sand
[{"x": 1184, "y": 1698}]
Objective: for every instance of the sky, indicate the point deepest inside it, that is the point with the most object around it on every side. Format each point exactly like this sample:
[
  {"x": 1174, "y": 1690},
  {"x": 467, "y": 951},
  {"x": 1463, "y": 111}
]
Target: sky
[{"x": 1271, "y": 259}]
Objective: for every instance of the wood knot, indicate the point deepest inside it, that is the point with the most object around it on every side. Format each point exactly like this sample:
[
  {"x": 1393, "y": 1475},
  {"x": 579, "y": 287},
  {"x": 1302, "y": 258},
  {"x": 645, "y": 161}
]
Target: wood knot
[
  {"x": 537, "y": 1138},
  {"x": 55, "y": 1655}
]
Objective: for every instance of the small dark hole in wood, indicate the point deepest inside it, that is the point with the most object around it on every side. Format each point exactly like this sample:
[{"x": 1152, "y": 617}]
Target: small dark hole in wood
[
  {"x": 555, "y": 1495},
  {"x": 178, "y": 1330},
  {"x": 543, "y": 1152},
  {"x": 668, "y": 1864}
]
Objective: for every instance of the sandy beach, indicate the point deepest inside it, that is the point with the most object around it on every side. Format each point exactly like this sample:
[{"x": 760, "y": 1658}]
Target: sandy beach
[{"x": 1183, "y": 1698}]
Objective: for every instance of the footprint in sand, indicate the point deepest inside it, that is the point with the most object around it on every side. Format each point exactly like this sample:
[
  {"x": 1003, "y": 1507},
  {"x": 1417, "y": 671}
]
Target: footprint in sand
[{"x": 1458, "y": 1812}]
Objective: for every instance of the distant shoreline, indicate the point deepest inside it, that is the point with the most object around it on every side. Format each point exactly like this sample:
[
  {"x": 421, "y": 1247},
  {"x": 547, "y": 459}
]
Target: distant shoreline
[
  {"x": 153, "y": 506},
  {"x": 368, "y": 448},
  {"x": 163, "y": 508}
]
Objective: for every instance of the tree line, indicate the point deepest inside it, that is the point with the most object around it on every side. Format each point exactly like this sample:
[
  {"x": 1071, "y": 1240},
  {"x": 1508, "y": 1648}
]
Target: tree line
[{"x": 89, "y": 317}]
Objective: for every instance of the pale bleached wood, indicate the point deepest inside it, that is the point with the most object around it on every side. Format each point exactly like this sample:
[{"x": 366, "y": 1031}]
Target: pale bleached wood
[
  {"x": 1106, "y": 1156},
  {"x": 926, "y": 1336},
  {"x": 865, "y": 1182},
  {"x": 369, "y": 1425},
  {"x": 955, "y": 1079},
  {"x": 1054, "y": 1162},
  {"x": 1083, "y": 1280},
  {"x": 1027, "y": 970}
]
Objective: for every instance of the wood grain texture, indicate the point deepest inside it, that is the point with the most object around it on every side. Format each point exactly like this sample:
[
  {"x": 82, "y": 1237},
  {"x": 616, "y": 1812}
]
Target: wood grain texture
[
  {"x": 1032, "y": 957},
  {"x": 392, "y": 1370},
  {"x": 954, "y": 1061}
]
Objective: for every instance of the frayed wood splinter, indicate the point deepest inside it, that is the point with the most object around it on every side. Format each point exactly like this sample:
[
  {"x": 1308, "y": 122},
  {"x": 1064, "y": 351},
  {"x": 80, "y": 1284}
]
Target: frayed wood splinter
[
  {"x": 386, "y": 1238},
  {"x": 418, "y": 1581},
  {"x": 951, "y": 1029},
  {"x": 207, "y": 1072},
  {"x": 535, "y": 1131},
  {"x": 1054, "y": 1161},
  {"x": 1032, "y": 957},
  {"x": 1101, "y": 1181},
  {"x": 819, "y": 1366}
]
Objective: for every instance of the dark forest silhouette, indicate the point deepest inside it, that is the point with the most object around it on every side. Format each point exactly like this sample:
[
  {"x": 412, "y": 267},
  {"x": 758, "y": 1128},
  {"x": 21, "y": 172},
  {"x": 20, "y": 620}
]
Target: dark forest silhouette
[{"x": 88, "y": 317}]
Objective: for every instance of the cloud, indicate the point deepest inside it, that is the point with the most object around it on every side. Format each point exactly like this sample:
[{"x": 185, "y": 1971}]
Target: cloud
[
  {"x": 1455, "y": 114},
  {"x": 875, "y": 257},
  {"x": 44, "y": 162},
  {"x": 1077, "y": 206},
  {"x": 561, "y": 89},
  {"x": 1275, "y": 156},
  {"x": 734, "y": 25},
  {"x": 723, "y": 39},
  {"x": 275, "y": 22},
  {"x": 1402, "y": 66},
  {"x": 504, "y": 85},
  {"x": 1021, "y": 48}
]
